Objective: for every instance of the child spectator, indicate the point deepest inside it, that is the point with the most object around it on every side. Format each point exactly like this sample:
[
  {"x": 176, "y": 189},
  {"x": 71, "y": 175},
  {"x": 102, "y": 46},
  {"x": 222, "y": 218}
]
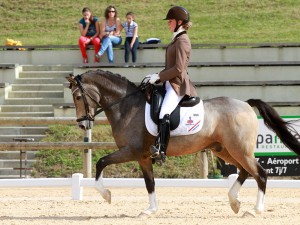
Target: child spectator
[
  {"x": 110, "y": 33},
  {"x": 131, "y": 41},
  {"x": 89, "y": 30}
]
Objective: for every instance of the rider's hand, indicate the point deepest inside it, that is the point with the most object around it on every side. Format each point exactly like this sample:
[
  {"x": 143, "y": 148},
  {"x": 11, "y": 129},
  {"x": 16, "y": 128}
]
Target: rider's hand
[{"x": 152, "y": 78}]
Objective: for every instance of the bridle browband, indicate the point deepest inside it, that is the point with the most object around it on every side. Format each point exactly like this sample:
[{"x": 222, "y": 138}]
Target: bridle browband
[{"x": 84, "y": 92}]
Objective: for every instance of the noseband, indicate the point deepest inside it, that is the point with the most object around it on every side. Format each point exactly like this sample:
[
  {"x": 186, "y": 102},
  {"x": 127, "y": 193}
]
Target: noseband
[{"x": 88, "y": 116}]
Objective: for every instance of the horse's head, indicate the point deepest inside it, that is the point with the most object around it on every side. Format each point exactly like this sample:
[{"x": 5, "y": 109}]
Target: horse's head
[{"x": 86, "y": 99}]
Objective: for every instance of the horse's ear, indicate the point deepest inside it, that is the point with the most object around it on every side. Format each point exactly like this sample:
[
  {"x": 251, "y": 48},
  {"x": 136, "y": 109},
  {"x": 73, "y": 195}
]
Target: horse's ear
[{"x": 71, "y": 80}]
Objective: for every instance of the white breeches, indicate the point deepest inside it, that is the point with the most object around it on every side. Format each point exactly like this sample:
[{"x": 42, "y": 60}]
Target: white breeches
[{"x": 170, "y": 102}]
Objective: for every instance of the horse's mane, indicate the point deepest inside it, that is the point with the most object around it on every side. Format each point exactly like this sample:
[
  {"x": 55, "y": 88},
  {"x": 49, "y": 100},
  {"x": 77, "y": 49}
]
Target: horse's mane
[{"x": 112, "y": 76}]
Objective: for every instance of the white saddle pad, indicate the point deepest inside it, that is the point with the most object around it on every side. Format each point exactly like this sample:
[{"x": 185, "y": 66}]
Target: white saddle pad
[{"x": 191, "y": 120}]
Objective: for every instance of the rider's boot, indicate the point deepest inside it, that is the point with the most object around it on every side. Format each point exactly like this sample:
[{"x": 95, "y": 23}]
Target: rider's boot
[{"x": 162, "y": 139}]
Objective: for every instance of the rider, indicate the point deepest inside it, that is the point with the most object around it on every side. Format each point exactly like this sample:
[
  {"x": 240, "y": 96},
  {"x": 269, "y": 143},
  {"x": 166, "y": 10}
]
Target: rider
[{"x": 174, "y": 77}]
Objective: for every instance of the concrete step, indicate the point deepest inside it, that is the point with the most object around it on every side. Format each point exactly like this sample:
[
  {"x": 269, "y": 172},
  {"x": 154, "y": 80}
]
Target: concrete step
[
  {"x": 40, "y": 81},
  {"x": 15, "y": 163},
  {"x": 266, "y": 93},
  {"x": 36, "y": 94},
  {"x": 44, "y": 74},
  {"x": 33, "y": 101},
  {"x": 11, "y": 173},
  {"x": 26, "y": 108},
  {"x": 22, "y": 130},
  {"x": 13, "y": 155},
  {"x": 26, "y": 114},
  {"x": 10, "y": 137},
  {"x": 37, "y": 87},
  {"x": 68, "y": 68}
]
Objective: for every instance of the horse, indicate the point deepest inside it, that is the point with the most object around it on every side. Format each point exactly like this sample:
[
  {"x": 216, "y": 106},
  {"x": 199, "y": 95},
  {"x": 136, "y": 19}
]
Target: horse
[{"x": 230, "y": 130}]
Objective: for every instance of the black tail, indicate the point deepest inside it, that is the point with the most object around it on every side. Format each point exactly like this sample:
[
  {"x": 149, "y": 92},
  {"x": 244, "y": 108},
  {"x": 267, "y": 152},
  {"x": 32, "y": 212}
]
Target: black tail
[{"x": 272, "y": 120}]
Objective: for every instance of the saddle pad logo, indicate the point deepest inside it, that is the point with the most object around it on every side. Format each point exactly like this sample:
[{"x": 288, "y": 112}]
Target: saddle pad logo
[{"x": 189, "y": 121}]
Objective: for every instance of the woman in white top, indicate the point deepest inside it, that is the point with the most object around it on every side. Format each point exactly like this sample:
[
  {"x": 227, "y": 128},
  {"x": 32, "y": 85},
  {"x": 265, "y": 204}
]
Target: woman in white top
[{"x": 110, "y": 33}]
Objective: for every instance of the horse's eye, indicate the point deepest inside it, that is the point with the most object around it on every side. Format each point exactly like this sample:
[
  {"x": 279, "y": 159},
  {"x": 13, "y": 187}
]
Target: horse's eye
[{"x": 78, "y": 97}]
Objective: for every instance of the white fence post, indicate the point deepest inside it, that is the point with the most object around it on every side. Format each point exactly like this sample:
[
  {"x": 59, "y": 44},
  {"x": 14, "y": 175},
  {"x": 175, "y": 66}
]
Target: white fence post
[
  {"x": 77, "y": 190},
  {"x": 87, "y": 155}
]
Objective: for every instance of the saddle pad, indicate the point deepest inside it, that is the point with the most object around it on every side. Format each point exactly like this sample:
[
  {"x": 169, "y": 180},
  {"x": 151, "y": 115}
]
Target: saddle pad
[{"x": 191, "y": 120}]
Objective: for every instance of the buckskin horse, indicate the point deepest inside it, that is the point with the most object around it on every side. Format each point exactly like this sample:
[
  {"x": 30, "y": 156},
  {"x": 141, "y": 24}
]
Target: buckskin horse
[{"x": 229, "y": 130}]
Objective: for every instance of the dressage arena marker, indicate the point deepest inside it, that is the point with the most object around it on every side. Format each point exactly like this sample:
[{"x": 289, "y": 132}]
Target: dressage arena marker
[{"x": 77, "y": 182}]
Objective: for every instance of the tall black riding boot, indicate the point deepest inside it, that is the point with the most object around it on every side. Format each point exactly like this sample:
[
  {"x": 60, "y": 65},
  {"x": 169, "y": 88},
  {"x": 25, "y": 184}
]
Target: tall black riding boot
[{"x": 162, "y": 139}]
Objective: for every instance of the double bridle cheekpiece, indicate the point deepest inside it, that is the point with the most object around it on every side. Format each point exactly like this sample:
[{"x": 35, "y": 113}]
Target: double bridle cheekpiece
[{"x": 88, "y": 116}]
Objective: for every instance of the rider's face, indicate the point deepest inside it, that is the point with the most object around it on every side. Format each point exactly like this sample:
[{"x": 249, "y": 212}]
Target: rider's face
[{"x": 172, "y": 24}]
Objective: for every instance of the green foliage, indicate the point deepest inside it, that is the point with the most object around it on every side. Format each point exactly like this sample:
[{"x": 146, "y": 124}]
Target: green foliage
[
  {"x": 42, "y": 22},
  {"x": 63, "y": 163}
]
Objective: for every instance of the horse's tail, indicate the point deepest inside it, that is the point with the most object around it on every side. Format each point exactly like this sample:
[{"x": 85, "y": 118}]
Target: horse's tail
[{"x": 272, "y": 120}]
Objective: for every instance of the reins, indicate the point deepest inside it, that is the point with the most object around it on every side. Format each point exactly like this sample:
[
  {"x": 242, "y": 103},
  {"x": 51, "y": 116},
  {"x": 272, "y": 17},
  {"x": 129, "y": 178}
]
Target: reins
[{"x": 83, "y": 91}]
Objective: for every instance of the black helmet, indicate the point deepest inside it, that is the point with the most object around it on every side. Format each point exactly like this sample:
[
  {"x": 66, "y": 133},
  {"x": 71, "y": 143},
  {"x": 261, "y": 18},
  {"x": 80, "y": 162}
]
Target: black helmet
[{"x": 178, "y": 13}]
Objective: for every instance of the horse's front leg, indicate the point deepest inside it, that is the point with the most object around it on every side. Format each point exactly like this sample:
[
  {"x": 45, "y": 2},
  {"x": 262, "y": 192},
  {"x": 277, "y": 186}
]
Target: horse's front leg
[
  {"x": 123, "y": 155},
  {"x": 147, "y": 169},
  {"x": 105, "y": 193}
]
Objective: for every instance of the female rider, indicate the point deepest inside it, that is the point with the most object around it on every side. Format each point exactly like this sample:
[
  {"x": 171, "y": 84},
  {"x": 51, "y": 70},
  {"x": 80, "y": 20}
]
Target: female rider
[{"x": 174, "y": 77}]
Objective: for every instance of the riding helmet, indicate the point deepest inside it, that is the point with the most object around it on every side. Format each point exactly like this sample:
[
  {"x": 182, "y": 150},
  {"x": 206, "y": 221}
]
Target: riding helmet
[{"x": 178, "y": 13}]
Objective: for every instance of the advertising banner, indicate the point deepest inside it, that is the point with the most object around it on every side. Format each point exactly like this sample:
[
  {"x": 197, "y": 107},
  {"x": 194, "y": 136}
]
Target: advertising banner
[
  {"x": 268, "y": 142},
  {"x": 271, "y": 153}
]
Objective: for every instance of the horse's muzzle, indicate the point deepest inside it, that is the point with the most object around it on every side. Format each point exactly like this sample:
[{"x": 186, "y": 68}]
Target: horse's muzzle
[{"x": 85, "y": 124}]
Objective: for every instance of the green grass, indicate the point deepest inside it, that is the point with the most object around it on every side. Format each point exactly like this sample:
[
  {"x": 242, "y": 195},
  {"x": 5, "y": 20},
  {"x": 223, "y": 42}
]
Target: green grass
[{"x": 44, "y": 22}]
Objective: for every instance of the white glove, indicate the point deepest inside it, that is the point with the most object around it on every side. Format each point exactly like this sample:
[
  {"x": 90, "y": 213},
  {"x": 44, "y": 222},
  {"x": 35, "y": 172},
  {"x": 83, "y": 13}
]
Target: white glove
[{"x": 152, "y": 78}]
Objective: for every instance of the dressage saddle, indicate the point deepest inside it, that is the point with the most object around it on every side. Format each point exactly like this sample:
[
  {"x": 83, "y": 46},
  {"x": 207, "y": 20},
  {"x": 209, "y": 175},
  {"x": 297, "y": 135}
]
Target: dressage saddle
[{"x": 157, "y": 95}]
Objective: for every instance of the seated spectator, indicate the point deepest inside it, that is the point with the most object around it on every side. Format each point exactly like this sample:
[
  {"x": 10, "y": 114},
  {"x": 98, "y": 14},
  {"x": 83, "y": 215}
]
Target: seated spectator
[
  {"x": 131, "y": 41},
  {"x": 89, "y": 30},
  {"x": 110, "y": 33}
]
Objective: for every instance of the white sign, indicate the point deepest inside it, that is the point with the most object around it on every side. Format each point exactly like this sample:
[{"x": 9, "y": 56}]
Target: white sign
[{"x": 269, "y": 142}]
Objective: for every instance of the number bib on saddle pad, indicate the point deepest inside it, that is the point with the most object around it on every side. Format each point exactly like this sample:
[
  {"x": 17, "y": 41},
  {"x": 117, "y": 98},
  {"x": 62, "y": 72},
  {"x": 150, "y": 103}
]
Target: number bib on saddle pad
[{"x": 191, "y": 120}]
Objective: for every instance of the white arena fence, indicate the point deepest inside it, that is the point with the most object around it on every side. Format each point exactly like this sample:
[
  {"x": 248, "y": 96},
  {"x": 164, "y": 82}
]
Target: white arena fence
[{"x": 77, "y": 183}]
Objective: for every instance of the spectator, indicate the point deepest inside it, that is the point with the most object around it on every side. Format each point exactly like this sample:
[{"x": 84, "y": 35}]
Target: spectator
[
  {"x": 89, "y": 30},
  {"x": 175, "y": 76},
  {"x": 131, "y": 41},
  {"x": 110, "y": 33}
]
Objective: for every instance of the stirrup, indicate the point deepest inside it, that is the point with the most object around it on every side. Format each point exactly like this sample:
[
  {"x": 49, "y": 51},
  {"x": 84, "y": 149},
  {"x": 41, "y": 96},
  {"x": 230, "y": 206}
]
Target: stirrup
[{"x": 154, "y": 151}]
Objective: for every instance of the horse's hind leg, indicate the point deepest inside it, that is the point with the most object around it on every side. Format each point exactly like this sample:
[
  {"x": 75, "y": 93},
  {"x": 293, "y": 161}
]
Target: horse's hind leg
[
  {"x": 233, "y": 193},
  {"x": 252, "y": 167},
  {"x": 261, "y": 179},
  {"x": 247, "y": 165}
]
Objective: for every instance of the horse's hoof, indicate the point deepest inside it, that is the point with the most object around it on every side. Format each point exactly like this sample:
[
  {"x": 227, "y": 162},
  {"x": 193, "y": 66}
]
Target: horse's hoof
[
  {"x": 106, "y": 194},
  {"x": 146, "y": 213},
  {"x": 259, "y": 210},
  {"x": 235, "y": 204}
]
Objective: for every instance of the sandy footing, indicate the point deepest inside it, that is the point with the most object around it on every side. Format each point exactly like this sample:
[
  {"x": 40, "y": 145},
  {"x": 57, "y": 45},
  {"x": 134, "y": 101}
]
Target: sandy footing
[{"x": 176, "y": 206}]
